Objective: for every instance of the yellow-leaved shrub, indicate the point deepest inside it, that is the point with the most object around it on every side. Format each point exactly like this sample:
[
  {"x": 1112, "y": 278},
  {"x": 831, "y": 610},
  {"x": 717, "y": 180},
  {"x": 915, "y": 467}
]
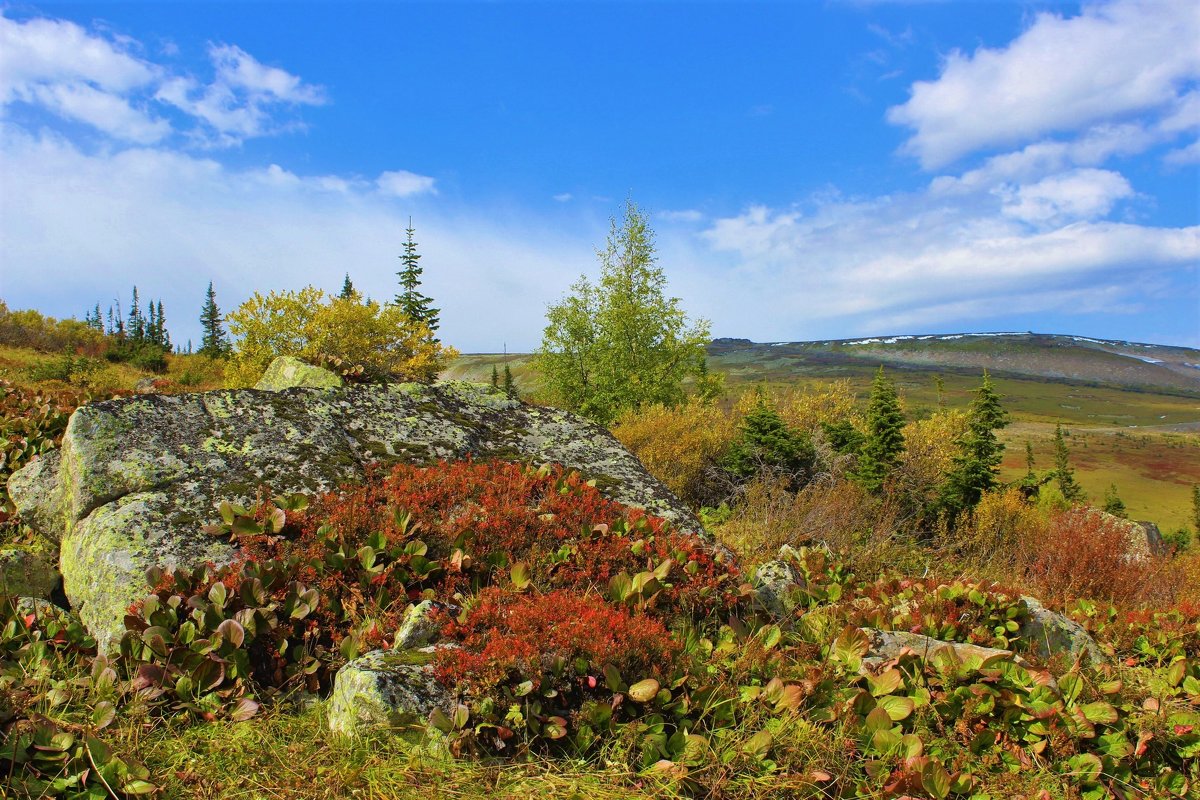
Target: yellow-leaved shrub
[
  {"x": 810, "y": 408},
  {"x": 310, "y": 325},
  {"x": 680, "y": 446}
]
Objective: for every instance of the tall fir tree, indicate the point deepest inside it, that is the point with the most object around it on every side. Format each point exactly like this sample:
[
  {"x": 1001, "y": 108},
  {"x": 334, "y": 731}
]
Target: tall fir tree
[
  {"x": 1064, "y": 473},
  {"x": 495, "y": 377},
  {"x": 151, "y": 323},
  {"x": 164, "y": 337},
  {"x": 880, "y": 452},
  {"x": 348, "y": 291},
  {"x": 214, "y": 343},
  {"x": 410, "y": 300},
  {"x": 980, "y": 451},
  {"x": 136, "y": 323}
]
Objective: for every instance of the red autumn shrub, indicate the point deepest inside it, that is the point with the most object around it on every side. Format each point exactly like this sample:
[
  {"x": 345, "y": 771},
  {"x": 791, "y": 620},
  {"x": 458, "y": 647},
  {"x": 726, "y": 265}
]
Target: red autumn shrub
[
  {"x": 562, "y": 637},
  {"x": 1086, "y": 554},
  {"x": 478, "y": 518}
]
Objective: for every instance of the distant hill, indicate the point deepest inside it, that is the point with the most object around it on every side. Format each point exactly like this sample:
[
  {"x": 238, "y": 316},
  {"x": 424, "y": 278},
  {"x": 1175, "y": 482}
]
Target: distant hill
[{"x": 1070, "y": 359}]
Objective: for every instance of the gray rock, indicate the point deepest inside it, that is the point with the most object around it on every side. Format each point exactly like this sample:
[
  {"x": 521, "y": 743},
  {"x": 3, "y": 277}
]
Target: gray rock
[
  {"x": 1152, "y": 537},
  {"x": 885, "y": 645},
  {"x": 420, "y": 627},
  {"x": 37, "y": 493},
  {"x": 145, "y": 386},
  {"x": 1047, "y": 633},
  {"x": 24, "y": 573},
  {"x": 775, "y": 586},
  {"x": 288, "y": 372},
  {"x": 138, "y": 477},
  {"x": 386, "y": 689}
]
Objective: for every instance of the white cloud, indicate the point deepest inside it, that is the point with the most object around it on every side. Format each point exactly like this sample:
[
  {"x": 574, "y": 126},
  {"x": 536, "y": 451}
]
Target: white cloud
[
  {"x": 242, "y": 99},
  {"x": 1061, "y": 74},
  {"x": 1076, "y": 195},
  {"x": 402, "y": 183},
  {"x": 238, "y": 69},
  {"x": 564, "y": 197},
  {"x": 45, "y": 51},
  {"x": 923, "y": 260},
  {"x": 105, "y": 112},
  {"x": 96, "y": 78}
]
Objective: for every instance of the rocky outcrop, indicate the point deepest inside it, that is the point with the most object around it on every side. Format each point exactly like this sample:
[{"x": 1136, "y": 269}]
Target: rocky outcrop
[
  {"x": 137, "y": 478},
  {"x": 386, "y": 689}
]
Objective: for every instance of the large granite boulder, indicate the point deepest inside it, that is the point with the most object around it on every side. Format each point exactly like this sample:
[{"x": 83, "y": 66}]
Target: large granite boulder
[{"x": 137, "y": 478}]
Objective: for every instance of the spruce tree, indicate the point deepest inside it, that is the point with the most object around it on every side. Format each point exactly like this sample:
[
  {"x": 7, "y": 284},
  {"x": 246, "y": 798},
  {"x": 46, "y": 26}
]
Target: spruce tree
[
  {"x": 880, "y": 452},
  {"x": 980, "y": 451},
  {"x": 214, "y": 343},
  {"x": 767, "y": 444},
  {"x": 1064, "y": 474},
  {"x": 1029, "y": 474},
  {"x": 1113, "y": 504},
  {"x": 510, "y": 386},
  {"x": 495, "y": 377},
  {"x": 151, "y": 323},
  {"x": 348, "y": 291},
  {"x": 164, "y": 336},
  {"x": 137, "y": 323},
  {"x": 414, "y": 304}
]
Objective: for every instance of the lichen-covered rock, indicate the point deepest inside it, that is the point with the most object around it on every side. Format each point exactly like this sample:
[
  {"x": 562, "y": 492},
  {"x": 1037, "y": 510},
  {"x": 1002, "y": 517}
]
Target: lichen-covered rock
[
  {"x": 137, "y": 478},
  {"x": 776, "y": 584},
  {"x": 886, "y": 645},
  {"x": 386, "y": 689},
  {"x": 24, "y": 573},
  {"x": 1047, "y": 633},
  {"x": 288, "y": 372},
  {"x": 36, "y": 492},
  {"x": 420, "y": 625}
]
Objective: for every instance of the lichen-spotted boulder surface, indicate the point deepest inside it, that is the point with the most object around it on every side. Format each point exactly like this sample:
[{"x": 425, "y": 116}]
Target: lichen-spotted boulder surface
[{"x": 137, "y": 478}]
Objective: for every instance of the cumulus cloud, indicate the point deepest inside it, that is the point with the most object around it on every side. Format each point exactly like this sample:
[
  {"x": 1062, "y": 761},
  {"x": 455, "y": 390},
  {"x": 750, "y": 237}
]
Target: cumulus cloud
[
  {"x": 45, "y": 51},
  {"x": 1062, "y": 74},
  {"x": 1066, "y": 197},
  {"x": 99, "y": 79}
]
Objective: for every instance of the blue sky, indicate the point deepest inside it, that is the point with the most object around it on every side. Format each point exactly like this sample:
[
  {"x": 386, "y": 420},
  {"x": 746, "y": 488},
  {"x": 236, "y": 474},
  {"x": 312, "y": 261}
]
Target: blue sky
[{"x": 812, "y": 170}]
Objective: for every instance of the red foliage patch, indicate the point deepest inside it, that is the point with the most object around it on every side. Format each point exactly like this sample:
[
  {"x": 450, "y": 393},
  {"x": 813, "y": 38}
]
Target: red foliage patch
[{"x": 511, "y": 637}]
